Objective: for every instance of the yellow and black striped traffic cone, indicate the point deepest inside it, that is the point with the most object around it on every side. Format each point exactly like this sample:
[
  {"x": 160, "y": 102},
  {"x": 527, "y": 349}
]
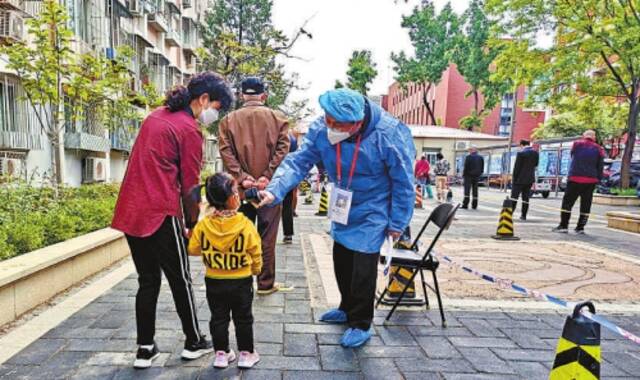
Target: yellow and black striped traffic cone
[
  {"x": 418, "y": 203},
  {"x": 304, "y": 186},
  {"x": 399, "y": 277},
  {"x": 578, "y": 352},
  {"x": 308, "y": 200},
  {"x": 323, "y": 207},
  {"x": 505, "y": 224}
]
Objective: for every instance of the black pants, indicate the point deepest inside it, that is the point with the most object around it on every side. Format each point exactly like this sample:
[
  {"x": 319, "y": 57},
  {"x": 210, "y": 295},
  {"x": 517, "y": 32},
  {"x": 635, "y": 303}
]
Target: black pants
[
  {"x": 287, "y": 214},
  {"x": 525, "y": 190},
  {"x": 469, "y": 184},
  {"x": 571, "y": 194},
  {"x": 164, "y": 251},
  {"x": 231, "y": 297},
  {"x": 356, "y": 274}
]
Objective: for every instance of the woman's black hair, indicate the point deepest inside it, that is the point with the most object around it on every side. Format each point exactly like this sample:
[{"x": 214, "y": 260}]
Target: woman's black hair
[
  {"x": 218, "y": 189},
  {"x": 439, "y": 156},
  {"x": 207, "y": 82}
]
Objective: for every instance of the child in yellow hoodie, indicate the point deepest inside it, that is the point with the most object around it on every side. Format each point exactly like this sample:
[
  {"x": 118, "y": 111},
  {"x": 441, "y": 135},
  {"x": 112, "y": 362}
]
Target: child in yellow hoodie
[{"x": 231, "y": 250}]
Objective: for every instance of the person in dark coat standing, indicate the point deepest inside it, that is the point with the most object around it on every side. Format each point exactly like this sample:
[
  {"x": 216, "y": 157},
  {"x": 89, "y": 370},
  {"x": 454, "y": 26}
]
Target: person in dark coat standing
[
  {"x": 524, "y": 175},
  {"x": 288, "y": 204},
  {"x": 473, "y": 169},
  {"x": 587, "y": 163}
]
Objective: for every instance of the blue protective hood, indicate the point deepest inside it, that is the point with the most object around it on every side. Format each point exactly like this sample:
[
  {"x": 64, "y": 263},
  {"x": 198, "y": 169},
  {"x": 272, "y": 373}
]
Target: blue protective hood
[{"x": 343, "y": 104}]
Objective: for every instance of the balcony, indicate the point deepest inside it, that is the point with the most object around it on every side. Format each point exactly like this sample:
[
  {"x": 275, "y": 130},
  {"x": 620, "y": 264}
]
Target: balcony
[
  {"x": 11, "y": 25},
  {"x": 86, "y": 141},
  {"x": 122, "y": 139},
  {"x": 16, "y": 140},
  {"x": 172, "y": 38},
  {"x": 157, "y": 22},
  {"x": 13, "y": 5}
]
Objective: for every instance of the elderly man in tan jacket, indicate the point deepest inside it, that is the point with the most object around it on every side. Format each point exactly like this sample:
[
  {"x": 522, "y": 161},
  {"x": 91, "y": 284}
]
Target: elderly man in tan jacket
[{"x": 253, "y": 142}]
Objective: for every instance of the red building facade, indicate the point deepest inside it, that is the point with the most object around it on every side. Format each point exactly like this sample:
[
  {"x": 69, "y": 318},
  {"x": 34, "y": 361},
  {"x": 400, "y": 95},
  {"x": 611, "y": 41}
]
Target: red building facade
[{"x": 450, "y": 105}]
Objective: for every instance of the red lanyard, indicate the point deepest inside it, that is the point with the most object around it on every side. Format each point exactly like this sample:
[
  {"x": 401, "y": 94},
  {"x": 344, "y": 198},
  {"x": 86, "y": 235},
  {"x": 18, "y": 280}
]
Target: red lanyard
[{"x": 353, "y": 163}]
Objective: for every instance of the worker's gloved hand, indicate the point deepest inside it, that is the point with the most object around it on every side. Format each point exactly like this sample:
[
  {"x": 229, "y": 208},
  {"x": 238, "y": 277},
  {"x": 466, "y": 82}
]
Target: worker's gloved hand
[
  {"x": 395, "y": 235},
  {"x": 266, "y": 198}
]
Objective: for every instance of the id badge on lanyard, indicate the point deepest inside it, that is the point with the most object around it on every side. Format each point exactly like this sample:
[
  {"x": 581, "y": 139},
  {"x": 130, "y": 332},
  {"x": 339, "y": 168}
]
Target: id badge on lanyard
[{"x": 340, "y": 202}]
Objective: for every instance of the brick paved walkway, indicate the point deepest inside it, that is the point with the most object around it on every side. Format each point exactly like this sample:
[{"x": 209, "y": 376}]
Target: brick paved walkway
[{"x": 99, "y": 340}]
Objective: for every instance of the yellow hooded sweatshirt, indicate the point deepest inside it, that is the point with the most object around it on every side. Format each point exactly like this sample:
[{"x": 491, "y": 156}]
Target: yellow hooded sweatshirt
[{"x": 230, "y": 246}]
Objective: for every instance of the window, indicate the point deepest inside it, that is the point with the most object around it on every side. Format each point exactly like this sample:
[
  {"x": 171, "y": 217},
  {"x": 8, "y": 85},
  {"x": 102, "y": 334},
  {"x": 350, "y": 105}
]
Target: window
[
  {"x": 432, "y": 154},
  {"x": 8, "y": 105}
]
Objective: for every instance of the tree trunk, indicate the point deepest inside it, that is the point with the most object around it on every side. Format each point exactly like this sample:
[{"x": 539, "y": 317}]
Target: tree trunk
[
  {"x": 55, "y": 159},
  {"x": 429, "y": 108},
  {"x": 632, "y": 130},
  {"x": 476, "y": 101}
]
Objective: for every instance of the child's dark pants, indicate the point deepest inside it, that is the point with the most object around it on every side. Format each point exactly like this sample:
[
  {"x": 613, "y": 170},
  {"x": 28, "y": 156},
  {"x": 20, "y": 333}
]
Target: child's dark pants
[{"x": 231, "y": 297}]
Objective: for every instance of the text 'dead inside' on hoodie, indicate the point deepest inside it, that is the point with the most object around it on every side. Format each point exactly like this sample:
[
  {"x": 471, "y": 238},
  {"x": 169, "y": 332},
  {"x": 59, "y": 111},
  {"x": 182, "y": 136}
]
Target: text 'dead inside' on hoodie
[{"x": 230, "y": 246}]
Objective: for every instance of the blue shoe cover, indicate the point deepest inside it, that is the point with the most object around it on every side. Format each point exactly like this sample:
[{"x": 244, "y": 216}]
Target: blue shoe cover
[
  {"x": 355, "y": 338},
  {"x": 334, "y": 316}
]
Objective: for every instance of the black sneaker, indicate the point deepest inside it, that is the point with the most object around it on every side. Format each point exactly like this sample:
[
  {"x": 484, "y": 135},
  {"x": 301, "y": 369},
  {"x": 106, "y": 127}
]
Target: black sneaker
[
  {"x": 580, "y": 231},
  {"x": 464, "y": 207},
  {"x": 561, "y": 230},
  {"x": 523, "y": 218},
  {"x": 144, "y": 357},
  {"x": 287, "y": 240},
  {"x": 197, "y": 350}
]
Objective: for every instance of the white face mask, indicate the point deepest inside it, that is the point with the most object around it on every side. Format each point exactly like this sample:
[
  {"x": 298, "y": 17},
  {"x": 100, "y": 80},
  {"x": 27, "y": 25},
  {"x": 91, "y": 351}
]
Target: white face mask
[
  {"x": 208, "y": 116},
  {"x": 337, "y": 136}
]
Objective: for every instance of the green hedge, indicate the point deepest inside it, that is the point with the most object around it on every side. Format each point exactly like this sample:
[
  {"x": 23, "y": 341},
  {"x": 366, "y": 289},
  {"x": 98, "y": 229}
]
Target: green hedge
[{"x": 32, "y": 218}]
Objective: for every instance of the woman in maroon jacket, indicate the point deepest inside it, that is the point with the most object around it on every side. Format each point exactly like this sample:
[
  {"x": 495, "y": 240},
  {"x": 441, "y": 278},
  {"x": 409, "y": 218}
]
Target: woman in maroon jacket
[{"x": 154, "y": 209}]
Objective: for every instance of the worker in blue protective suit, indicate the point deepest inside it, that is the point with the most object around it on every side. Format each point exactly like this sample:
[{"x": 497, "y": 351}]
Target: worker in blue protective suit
[{"x": 368, "y": 156}]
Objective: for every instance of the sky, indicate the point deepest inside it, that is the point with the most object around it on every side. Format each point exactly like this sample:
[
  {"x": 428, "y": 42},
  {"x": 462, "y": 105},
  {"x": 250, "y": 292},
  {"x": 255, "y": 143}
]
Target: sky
[{"x": 339, "y": 27}]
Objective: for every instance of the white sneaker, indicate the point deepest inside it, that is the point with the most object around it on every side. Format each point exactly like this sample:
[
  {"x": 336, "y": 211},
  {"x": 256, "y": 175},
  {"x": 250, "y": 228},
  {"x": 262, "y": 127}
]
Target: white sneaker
[
  {"x": 224, "y": 358},
  {"x": 248, "y": 359}
]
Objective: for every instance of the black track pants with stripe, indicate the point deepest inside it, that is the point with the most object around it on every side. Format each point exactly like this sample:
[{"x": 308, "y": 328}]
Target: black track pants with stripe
[{"x": 165, "y": 251}]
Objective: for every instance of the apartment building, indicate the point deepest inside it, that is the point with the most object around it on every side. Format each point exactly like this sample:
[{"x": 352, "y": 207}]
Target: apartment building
[
  {"x": 163, "y": 34},
  {"x": 450, "y": 105}
]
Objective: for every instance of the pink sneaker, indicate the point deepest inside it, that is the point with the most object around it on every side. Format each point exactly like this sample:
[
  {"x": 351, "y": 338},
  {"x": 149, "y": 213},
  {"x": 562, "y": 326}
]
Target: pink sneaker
[
  {"x": 248, "y": 359},
  {"x": 224, "y": 358}
]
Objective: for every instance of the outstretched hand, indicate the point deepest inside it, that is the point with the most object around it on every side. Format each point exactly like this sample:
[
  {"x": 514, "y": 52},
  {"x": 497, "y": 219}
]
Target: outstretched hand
[{"x": 266, "y": 198}]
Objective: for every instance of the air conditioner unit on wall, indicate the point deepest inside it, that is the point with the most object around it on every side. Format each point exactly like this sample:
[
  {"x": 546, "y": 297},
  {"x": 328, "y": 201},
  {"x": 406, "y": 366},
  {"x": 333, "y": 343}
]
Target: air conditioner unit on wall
[
  {"x": 462, "y": 145},
  {"x": 94, "y": 169},
  {"x": 135, "y": 7},
  {"x": 10, "y": 167}
]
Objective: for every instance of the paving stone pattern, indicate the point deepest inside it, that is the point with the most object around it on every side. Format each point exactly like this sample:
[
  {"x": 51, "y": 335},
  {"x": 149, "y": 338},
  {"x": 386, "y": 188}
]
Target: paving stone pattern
[{"x": 98, "y": 342}]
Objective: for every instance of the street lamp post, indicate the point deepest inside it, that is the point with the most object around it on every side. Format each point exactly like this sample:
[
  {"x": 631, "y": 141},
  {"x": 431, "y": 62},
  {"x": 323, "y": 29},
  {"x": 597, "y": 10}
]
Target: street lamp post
[{"x": 512, "y": 124}]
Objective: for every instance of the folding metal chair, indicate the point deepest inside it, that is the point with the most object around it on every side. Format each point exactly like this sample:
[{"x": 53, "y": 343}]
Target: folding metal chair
[{"x": 441, "y": 216}]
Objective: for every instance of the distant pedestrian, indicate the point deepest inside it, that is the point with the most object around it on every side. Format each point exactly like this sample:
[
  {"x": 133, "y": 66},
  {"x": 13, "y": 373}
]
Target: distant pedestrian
[
  {"x": 473, "y": 169},
  {"x": 421, "y": 173},
  {"x": 288, "y": 204},
  {"x": 230, "y": 248},
  {"x": 253, "y": 142},
  {"x": 155, "y": 207},
  {"x": 441, "y": 171},
  {"x": 587, "y": 163},
  {"x": 524, "y": 176}
]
